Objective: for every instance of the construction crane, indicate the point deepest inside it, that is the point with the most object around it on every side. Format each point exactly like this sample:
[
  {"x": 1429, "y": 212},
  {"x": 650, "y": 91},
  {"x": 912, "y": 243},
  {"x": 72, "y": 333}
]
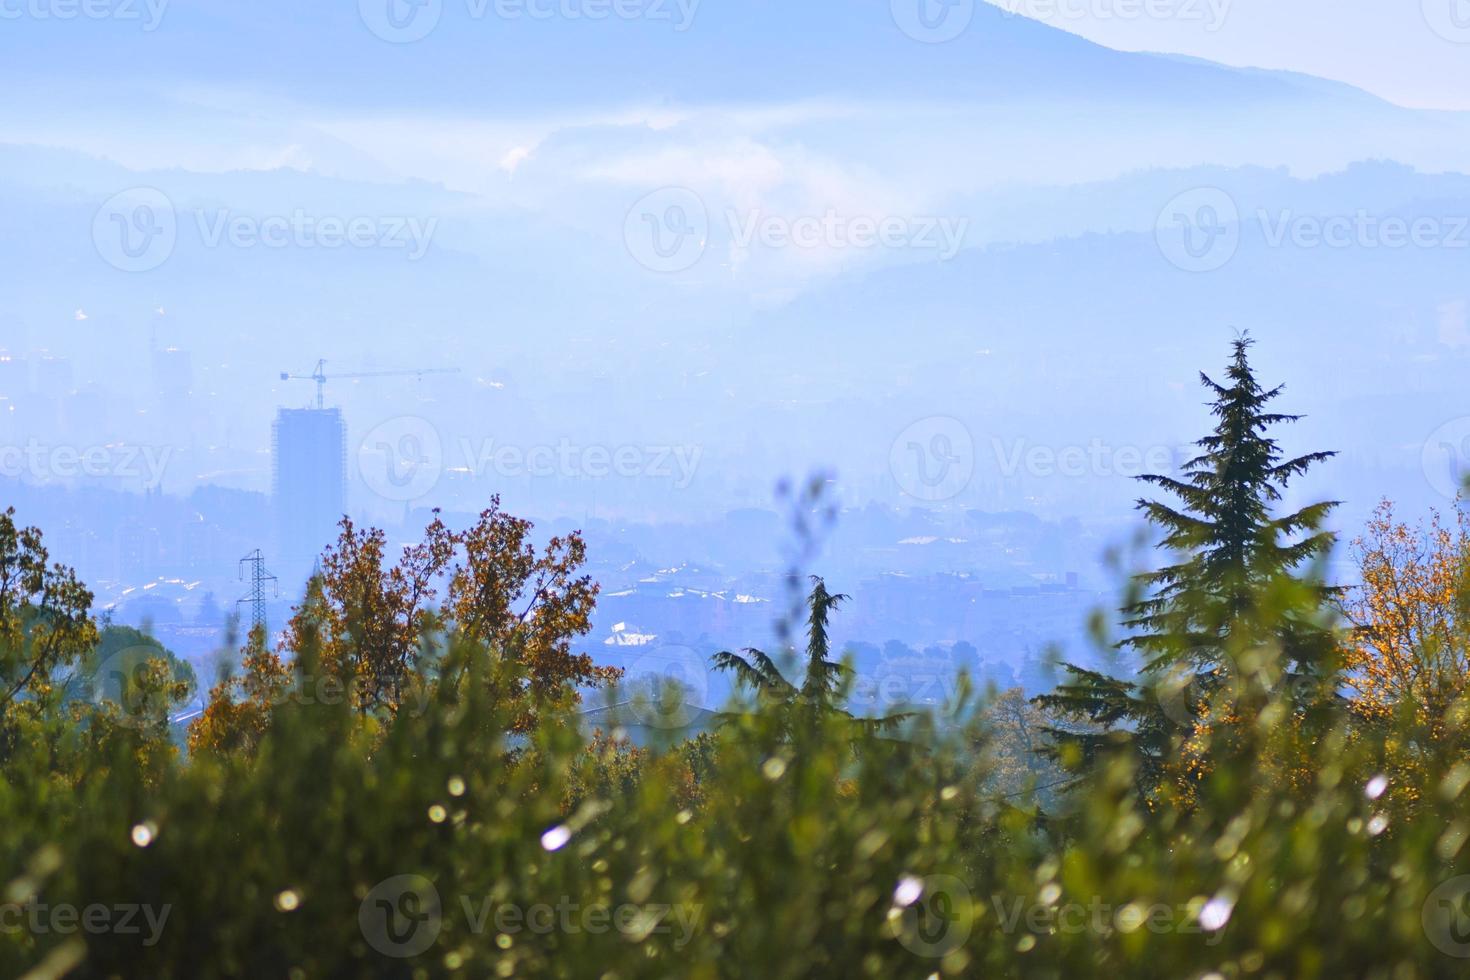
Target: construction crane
[{"x": 321, "y": 377}]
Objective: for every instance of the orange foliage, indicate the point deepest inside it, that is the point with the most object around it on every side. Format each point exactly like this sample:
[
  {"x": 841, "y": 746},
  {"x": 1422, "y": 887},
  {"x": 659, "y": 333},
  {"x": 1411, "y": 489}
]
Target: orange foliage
[
  {"x": 375, "y": 622},
  {"x": 1407, "y": 666},
  {"x": 372, "y": 617},
  {"x": 239, "y": 710},
  {"x": 526, "y": 606},
  {"x": 1409, "y": 619}
]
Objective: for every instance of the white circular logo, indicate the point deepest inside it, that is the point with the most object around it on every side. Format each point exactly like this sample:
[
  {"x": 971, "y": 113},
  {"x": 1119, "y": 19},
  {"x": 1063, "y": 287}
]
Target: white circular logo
[
  {"x": 1446, "y": 457},
  {"x": 1182, "y": 692},
  {"x": 401, "y": 21},
  {"x": 1446, "y": 917},
  {"x": 401, "y": 459},
  {"x": 667, "y": 231},
  {"x": 939, "y": 921},
  {"x": 933, "y": 21},
  {"x": 122, "y": 680},
  {"x": 933, "y": 459},
  {"x": 1199, "y": 231},
  {"x": 668, "y": 687},
  {"x": 401, "y": 917},
  {"x": 1450, "y": 19},
  {"x": 136, "y": 229}
]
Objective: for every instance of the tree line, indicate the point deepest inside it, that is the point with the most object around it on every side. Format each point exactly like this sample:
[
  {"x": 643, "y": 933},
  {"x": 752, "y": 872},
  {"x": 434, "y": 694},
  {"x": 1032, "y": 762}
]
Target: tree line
[{"x": 1270, "y": 784}]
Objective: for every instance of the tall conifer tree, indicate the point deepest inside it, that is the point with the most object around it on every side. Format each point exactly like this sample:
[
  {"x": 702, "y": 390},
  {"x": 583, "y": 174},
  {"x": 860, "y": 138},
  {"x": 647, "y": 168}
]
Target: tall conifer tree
[
  {"x": 1227, "y": 551},
  {"x": 1228, "y": 543}
]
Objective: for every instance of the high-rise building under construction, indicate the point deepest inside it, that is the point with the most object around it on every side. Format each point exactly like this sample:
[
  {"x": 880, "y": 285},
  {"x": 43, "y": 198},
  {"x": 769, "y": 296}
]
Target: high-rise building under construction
[{"x": 308, "y": 485}]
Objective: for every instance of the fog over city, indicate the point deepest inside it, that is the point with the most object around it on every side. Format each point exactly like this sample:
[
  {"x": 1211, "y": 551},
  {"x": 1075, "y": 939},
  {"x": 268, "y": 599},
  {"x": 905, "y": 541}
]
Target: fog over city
[
  {"x": 266, "y": 265},
  {"x": 647, "y": 489}
]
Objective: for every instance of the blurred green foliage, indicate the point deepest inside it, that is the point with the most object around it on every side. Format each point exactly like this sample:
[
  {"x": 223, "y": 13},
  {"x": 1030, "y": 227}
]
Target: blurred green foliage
[
  {"x": 764, "y": 848},
  {"x": 449, "y": 837}
]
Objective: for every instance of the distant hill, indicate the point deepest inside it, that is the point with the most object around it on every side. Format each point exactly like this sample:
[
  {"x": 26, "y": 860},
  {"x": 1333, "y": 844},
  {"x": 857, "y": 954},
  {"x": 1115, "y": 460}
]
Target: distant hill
[{"x": 676, "y": 51}]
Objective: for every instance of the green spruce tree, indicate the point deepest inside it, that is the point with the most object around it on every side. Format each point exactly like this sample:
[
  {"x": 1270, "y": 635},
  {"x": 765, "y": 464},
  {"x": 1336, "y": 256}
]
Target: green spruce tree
[
  {"x": 1231, "y": 562},
  {"x": 1229, "y": 544}
]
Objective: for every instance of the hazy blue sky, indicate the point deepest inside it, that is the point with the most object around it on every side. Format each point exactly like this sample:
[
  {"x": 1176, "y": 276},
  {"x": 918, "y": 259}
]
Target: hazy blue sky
[
  {"x": 543, "y": 163},
  {"x": 1413, "y": 52}
]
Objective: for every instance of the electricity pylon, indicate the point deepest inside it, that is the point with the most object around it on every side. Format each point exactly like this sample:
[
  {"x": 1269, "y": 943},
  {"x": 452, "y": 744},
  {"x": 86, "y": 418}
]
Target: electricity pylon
[{"x": 259, "y": 576}]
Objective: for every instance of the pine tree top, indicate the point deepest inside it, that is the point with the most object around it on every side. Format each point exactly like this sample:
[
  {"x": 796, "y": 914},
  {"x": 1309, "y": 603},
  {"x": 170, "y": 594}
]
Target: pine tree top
[{"x": 1222, "y": 526}]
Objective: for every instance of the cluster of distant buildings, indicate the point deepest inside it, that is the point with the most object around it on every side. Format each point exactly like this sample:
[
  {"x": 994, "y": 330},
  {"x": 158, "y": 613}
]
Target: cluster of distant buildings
[{"x": 172, "y": 557}]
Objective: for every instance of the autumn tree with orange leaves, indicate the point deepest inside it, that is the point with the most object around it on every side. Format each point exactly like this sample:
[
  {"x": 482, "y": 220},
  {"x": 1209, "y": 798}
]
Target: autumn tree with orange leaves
[
  {"x": 1408, "y": 667},
  {"x": 238, "y": 713},
  {"x": 380, "y": 628},
  {"x": 374, "y": 619},
  {"x": 45, "y": 620},
  {"x": 530, "y": 607}
]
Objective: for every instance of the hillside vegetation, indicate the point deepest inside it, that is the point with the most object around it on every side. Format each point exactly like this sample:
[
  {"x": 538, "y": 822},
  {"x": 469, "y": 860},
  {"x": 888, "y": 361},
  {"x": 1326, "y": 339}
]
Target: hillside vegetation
[{"x": 1273, "y": 784}]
